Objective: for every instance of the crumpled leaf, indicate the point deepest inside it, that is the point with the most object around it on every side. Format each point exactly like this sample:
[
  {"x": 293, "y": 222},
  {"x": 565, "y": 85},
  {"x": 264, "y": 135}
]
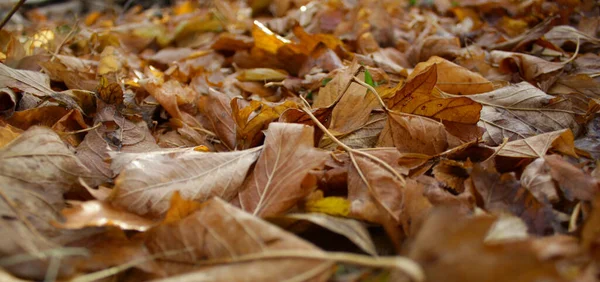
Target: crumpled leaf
[
  {"x": 215, "y": 106},
  {"x": 522, "y": 110},
  {"x": 147, "y": 183},
  {"x": 416, "y": 97},
  {"x": 276, "y": 184},
  {"x": 352, "y": 229},
  {"x": 8, "y": 101},
  {"x": 222, "y": 232},
  {"x": 254, "y": 118},
  {"x": 537, "y": 179},
  {"x": 504, "y": 193},
  {"x": 115, "y": 134},
  {"x": 37, "y": 84}
]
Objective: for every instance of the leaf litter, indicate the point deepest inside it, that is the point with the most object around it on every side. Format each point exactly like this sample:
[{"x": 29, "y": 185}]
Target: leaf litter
[{"x": 301, "y": 141}]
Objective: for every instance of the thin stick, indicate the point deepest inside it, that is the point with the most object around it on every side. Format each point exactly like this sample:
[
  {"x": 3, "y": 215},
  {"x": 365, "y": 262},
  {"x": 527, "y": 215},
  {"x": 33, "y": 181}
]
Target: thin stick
[
  {"x": 370, "y": 88},
  {"x": 11, "y": 13}
]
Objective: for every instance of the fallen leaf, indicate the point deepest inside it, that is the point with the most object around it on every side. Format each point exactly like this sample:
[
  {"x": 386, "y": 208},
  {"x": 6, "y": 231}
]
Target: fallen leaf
[
  {"x": 98, "y": 214},
  {"x": 215, "y": 106},
  {"x": 349, "y": 228},
  {"x": 416, "y": 97},
  {"x": 520, "y": 111},
  {"x": 37, "y": 84},
  {"x": 504, "y": 193},
  {"x": 572, "y": 181},
  {"x": 537, "y": 179},
  {"x": 147, "y": 183},
  {"x": 275, "y": 184},
  {"x": 414, "y": 134},
  {"x": 538, "y": 145},
  {"x": 8, "y": 101},
  {"x": 454, "y": 79},
  {"x": 115, "y": 134},
  {"x": 254, "y": 118},
  {"x": 220, "y": 232},
  {"x": 451, "y": 248}
]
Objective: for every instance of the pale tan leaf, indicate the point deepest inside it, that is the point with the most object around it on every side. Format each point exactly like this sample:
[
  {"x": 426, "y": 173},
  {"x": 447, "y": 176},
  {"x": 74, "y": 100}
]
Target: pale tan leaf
[
  {"x": 38, "y": 161},
  {"x": 146, "y": 184},
  {"x": 538, "y": 145},
  {"x": 352, "y": 229},
  {"x": 288, "y": 156},
  {"x": 522, "y": 110},
  {"x": 221, "y": 232}
]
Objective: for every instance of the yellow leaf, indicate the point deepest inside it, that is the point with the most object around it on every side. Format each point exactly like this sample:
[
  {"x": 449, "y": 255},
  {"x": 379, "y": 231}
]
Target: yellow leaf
[
  {"x": 109, "y": 61},
  {"x": 336, "y": 206},
  {"x": 8, "y": 133}
]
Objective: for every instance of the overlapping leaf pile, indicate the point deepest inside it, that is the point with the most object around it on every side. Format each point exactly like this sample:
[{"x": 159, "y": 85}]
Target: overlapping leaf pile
[{"x": 303, "y": 141}]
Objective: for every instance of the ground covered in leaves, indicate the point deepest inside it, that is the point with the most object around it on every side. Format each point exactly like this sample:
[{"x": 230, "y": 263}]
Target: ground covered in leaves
[{"x": 293, "y": 140}]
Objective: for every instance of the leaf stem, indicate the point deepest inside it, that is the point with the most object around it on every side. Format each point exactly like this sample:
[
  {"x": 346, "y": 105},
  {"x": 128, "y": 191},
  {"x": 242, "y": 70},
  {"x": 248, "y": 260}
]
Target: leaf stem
[{"x": 11, "y": 13}]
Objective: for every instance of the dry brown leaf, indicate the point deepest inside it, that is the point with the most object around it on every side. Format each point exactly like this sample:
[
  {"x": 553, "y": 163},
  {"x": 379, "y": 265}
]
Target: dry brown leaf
[
  {"x": 520, "y": 111},
  {"x": 504, "y": 193},
  {"x": 574, "y": 183},
  {"x": 171, "y": 94},
  {"x": 330, "y": 93},
  {"x": 375, "y": 192},
  {"x": 454, "y": 79},
  {"x": 538, "y": 145},
  {"x": 115, "y": 134},
  {"x": 352, "y": 229},
  {"x": 147, "y": 183},
  {"x": 452, "y": 248},
  {"x": 215, "y": 107},
  {"x": 353, "y": 110},
  {"x": 276, "y": 184},
  {"x": 414, "y": 134},
  {"x": 222, "y": 233},
  {"x": 416, "y": 97},
  {"x": 537, "y": 179},
  {"x": 98, "y": 214}
]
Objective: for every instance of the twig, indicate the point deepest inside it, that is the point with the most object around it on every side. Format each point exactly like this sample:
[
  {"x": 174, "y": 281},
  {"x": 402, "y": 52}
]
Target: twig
[{"x": 11, "y": 13}]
